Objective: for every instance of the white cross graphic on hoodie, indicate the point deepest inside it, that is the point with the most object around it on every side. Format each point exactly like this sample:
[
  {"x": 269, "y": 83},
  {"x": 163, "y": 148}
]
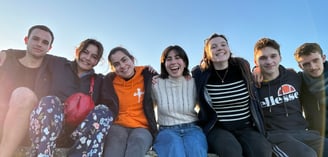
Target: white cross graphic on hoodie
[{"x": 138, "y": 93}]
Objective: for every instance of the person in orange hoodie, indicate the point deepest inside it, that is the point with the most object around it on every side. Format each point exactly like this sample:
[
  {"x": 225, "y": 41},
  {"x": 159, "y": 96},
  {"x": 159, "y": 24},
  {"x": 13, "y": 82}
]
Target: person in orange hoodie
[{"x": 134, "y": 126}]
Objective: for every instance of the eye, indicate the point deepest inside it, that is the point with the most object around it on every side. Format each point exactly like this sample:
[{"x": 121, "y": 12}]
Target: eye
[
  {"x": 213, "y": 46},
  {"x": 274, "y": 56},
  {"x": 262, "y": 58},
  {"x": 317, "y": 60},
  {"x": 85, "y": 51},
  {"x": 95, "y": 57},
  {"x": 168, "y": 58},
  {"x": 116, "y": 64},
  {"x": 177, "y": 57},
  {"x": 35, "y": 38},
  {"x": 124, "y": 60},
  {"x": 45, "y": 42},
  {"x": 305, "y": 65}
]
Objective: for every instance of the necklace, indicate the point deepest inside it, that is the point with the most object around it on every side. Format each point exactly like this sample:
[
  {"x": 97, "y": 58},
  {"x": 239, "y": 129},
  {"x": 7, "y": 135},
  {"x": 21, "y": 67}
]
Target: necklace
[{"x": 222, "y": 78}]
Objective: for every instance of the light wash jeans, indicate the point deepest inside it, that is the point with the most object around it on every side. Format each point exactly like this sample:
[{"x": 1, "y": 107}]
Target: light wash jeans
[{"x": 183, "y": 140}]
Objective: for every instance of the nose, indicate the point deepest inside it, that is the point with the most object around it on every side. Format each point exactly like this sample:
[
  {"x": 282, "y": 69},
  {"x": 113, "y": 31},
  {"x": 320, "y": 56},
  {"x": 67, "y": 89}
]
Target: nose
[
  {"x": 88, "y": 57},
  {"x": 312, "y": 65},
  {"x": 173, "y": 61},
  {"x": 268, "y": 60},
  {"x": 39, "y": 43}
]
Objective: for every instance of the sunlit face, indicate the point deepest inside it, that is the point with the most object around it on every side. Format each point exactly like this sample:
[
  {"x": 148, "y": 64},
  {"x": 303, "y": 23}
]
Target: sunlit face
[
  {"x": 174, "y": 64},
  {"x": 218, "y": 50},
  {"x": 122, "y": 65},
  {"x": 312, "y": 64},
  {"x": 268, "y": 59},
  {"x": 88, "y": 58},
  {"x": 38, "y": 43}
]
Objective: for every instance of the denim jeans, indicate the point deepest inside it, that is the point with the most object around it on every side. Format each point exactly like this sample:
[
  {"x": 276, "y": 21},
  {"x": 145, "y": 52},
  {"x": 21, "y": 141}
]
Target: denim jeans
[{"x": 184, "y": 140}]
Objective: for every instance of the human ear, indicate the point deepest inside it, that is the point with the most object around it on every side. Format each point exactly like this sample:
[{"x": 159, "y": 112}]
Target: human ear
[
  {"x": 300, "y": 66},
  {"x": 25, "y": 39}
]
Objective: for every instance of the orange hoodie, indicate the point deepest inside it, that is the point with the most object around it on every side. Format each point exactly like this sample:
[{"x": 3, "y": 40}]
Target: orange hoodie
[{"x": 130, "y": 95}]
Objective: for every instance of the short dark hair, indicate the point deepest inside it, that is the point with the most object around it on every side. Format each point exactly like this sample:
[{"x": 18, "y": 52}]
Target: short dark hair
[
  {"x": 181, "y": 53},
  {"x": 266, "y": 42},
  {"x": 44, "y": 28},
  {"x": 306, "y": 49}
]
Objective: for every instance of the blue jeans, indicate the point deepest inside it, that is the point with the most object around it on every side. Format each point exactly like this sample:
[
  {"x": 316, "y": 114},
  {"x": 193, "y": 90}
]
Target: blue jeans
[{"x": 184, "y": 140}]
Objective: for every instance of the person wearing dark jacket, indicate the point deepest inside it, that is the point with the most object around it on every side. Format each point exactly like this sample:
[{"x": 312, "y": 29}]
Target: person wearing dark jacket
[
  {"x": 134, "y": 126},
  {"x": 47, "y": 126},
  {"x": 280, "y": 94},
  {"x": 312, "y": 61},
  {"x": 24, "y": 80},
  {"x": 229, "y": 111}
]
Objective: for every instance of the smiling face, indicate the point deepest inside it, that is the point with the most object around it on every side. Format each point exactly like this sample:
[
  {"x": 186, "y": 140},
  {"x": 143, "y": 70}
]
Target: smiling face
[
  {"x": 38, "y": 43},
  {"x": 218, "y": 50},
  {"x": 312, "y": 64},
  {"x": 88, "y": 58},
  {"x": 122, "y": 64},
  {"x": 174, "y": 64},
  {"x": 268, "y": 59}
]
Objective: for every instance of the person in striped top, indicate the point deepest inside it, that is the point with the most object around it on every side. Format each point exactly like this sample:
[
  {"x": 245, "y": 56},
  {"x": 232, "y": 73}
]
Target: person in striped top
[{"x": 229, "y": 112}]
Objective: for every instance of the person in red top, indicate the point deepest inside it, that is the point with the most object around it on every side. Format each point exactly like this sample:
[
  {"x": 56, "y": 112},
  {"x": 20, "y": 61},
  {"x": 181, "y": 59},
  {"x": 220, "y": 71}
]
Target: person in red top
[{"x": 134, "y": 127}]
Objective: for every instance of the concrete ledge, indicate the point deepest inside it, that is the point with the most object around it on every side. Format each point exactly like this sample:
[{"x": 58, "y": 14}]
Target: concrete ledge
[{"x": 61, "y": 152}]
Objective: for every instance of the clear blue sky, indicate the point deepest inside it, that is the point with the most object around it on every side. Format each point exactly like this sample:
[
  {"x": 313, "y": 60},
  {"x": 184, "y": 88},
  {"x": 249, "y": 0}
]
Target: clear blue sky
[{"x": 146, "y": 27}]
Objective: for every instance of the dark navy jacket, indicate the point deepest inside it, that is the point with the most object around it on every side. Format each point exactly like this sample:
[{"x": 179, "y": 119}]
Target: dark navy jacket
[{"x": 314, "y": 99}]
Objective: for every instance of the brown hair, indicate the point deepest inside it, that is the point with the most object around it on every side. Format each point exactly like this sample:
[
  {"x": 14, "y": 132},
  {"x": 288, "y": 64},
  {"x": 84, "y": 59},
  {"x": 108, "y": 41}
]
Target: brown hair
[
  {"x": 306, "y": 49},
  {"x": 206, "y": 61}
]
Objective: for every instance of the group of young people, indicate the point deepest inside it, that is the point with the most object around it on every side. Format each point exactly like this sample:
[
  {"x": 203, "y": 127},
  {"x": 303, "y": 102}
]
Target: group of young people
[{"x": 219, "y": 106}]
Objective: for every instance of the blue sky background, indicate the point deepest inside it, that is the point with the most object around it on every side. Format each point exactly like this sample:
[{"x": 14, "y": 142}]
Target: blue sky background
[{"x": 147, "y": 27}]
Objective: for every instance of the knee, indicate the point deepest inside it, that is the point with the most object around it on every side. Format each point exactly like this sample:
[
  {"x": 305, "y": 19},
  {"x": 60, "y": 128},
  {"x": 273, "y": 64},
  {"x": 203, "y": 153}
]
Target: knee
[
  {"x": 50, "y": 101},
  {"x": 23, "y": 98}
]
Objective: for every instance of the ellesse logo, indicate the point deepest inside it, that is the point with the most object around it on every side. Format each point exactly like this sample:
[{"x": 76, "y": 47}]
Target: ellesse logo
[
  {"x": 285, "y": 93},
  {"x": 285, "y": 89}
]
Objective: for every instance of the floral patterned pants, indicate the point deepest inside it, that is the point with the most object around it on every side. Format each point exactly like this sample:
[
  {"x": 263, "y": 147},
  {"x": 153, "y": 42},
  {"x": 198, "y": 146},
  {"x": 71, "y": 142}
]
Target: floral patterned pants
[{"x": 46, "y": 124}]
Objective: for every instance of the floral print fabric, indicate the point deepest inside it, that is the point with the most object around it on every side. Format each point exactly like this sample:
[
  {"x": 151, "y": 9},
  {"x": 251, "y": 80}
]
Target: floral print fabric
[{"x": 46, "y": 124}]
